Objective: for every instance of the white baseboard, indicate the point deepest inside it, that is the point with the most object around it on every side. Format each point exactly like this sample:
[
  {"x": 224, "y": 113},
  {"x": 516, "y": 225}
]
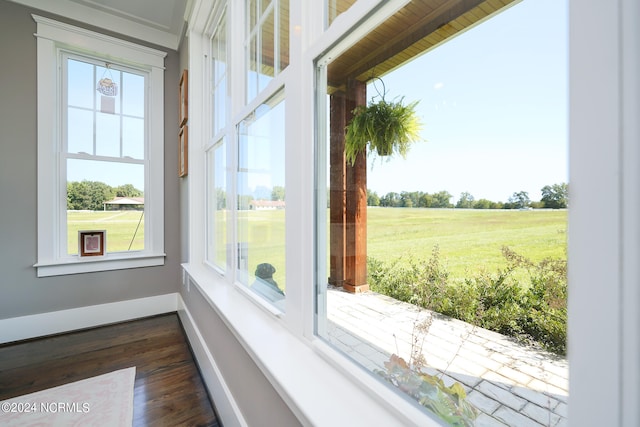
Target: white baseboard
[
  {"x": 226, "y": 406},
  {"x": 55, "y": 322}
]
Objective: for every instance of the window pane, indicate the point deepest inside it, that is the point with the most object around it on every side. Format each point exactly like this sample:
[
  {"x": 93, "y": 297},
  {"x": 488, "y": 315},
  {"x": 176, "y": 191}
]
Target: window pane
[
  {"x": 419, "y": 289},
  {"x": 267, "y": 51},
  {"x": 261, "y": 202},
  {"x": 267, "y": 44},
  {"x": 80, "y": 84},
  {"x": 133, "y": 138},
  {"x": 219, "y": 76},
  {"x": 283, "y": 25},
  {"x": 79, "y": 131},
  {"x": 217, "y": 207},
  {"x": 336, "y": 7},
  {"x": 132, "y": 95},
  {"x": 106, "y": 196},
  {"x": 107, "y": 135}
]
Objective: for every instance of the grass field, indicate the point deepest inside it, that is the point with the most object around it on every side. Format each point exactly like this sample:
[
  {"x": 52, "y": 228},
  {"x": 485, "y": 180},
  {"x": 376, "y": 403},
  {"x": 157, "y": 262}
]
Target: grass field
[
  {"x": 469, "y": 240},
  {"x": 120, "y": 225}
]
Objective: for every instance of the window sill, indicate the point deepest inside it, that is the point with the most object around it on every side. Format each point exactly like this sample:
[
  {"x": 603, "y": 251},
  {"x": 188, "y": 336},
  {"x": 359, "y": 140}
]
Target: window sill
[
  {"x": 118, "y": 261},
  {"x": 304, "y": 372}
]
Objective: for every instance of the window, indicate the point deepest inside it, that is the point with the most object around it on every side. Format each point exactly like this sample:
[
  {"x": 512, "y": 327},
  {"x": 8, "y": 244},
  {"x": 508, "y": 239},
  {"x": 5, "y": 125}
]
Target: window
[
  {"x": 261, "y": 201},
  {"x": 100, "y": 112},
  {"x": 218, "y": 206},
  {"x": 218, "y": 210},
  {"x": 267, "y": 42},
  {"x": 363, "y": 248}
]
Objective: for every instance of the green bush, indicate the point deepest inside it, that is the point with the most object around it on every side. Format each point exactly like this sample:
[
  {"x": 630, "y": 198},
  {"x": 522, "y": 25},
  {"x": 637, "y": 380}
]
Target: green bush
[{"x": 534, "y": 312}]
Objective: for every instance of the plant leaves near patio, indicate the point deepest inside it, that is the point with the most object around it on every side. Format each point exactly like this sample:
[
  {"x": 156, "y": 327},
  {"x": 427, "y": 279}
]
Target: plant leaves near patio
[{"x": 384, "y": 127}]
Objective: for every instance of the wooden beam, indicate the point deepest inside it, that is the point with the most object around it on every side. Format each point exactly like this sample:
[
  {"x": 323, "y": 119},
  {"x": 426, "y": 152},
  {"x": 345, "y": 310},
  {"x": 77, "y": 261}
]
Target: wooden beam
[
  {"x": 356, "y": 204},
  {"x": 337, "y": 189}
]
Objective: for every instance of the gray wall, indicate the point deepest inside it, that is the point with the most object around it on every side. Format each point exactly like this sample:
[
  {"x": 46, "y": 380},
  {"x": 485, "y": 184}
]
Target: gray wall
[{"x": 21, "y": 292}]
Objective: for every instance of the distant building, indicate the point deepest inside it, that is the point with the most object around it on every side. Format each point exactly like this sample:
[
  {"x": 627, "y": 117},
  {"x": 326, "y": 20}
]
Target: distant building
[
  {"x": 125, "y": 203},
  {"x": 260, "y": 205}
]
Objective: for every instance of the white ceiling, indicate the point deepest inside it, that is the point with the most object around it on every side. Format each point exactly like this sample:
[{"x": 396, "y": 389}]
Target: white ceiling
[{"x": 156, "y": 21}]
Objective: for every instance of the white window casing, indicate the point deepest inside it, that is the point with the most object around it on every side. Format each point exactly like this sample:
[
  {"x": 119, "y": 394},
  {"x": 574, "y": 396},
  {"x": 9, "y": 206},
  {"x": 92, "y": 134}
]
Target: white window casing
[{"x": 52, "y": 39}]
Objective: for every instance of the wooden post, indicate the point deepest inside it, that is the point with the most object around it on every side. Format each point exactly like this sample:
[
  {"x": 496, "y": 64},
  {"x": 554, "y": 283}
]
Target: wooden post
[
  {"x": 337, "y": 189},
  {"x": 356, "y": 203}
]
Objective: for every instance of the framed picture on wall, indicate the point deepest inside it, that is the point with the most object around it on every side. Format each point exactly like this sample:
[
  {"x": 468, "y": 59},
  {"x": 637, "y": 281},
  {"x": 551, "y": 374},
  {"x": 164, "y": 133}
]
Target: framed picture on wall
[
  {"x": 183, "y": 115},
  {"x": 92, "y": 242},
  {"x": 183, "y": 151}
]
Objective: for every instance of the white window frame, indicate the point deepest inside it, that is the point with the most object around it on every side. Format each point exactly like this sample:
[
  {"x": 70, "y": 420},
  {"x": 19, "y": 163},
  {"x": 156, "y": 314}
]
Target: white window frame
[
  {"x": 604, "y": 242},
  {"x": 53, "y": 38},
  {"x": 259, "y": 327}
]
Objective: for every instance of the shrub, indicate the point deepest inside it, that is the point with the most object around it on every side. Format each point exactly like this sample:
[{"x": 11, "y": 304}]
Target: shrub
[{"x": 534, "y": 312}]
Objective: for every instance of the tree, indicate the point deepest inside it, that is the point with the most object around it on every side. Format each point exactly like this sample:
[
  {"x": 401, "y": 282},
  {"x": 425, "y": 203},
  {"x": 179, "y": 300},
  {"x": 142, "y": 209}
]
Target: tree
[
  {"x": 88, "y": 195},
  {"x": 405, "y": 200},
  {"x": 465, "y": 201},
  {"x": 372, "y": 198},
  {"x": 442, "y": 199},
  {"x": 425, "y": 200},
  {"x": 483, "y": 204},
  {"x": 555, "y": 196},
  {"x": 277, "y": 192},
  {"x": 221, "y": 198},
  {"x": 519, "y": 200},
  {"x": 127, "y": 190},
  {"x": 390, "y": 199}
]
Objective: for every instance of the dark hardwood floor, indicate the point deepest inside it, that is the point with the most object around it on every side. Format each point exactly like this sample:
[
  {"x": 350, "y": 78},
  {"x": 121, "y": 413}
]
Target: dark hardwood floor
[{"x": 168, "y": 387}]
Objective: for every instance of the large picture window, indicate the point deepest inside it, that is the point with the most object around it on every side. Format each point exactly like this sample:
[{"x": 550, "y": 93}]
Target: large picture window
[{"x": 100, "y": 150}]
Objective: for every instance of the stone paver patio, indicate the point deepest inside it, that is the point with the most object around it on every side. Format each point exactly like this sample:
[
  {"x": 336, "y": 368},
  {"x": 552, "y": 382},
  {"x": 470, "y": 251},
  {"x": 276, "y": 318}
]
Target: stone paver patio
[{"x": 509, "y": 383}]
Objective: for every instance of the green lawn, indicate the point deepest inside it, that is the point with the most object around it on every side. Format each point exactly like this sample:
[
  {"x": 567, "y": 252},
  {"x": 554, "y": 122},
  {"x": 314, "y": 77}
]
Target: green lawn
[
  {"x": 120, "y": 226},
  {"x": 469, "y": 240}
]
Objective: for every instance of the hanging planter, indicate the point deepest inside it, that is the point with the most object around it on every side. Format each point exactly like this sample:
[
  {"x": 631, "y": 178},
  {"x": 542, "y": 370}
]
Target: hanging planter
[{"x": 384, "y": 128}]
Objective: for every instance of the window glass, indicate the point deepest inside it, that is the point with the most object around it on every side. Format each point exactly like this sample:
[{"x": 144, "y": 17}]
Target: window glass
[
  {"x": 267, "y": 43},
  {"x": 422, "y": 287},
  {"x": 261, "y": 202},
  {"x": 336, "y": 7},
  {"x": 105, "y": 140},
  {"x": 219, "y": 76},
  {"x": 217, "y": 196}
]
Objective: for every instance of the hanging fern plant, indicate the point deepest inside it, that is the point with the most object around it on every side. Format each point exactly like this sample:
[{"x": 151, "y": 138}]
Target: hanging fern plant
[{"x": 384, "y": 128}]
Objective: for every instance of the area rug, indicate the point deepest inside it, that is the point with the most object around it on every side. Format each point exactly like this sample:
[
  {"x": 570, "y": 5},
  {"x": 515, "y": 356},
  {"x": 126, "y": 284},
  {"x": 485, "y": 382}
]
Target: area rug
[{"x": 105, "y": 400}]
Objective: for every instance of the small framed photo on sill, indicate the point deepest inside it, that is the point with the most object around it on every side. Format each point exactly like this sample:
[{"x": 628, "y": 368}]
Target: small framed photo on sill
[{"x": 92, "y": 242}]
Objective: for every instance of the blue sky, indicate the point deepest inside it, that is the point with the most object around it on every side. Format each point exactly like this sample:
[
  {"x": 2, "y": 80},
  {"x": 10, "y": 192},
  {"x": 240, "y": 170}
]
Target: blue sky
[{"x": 494, "y": 107}]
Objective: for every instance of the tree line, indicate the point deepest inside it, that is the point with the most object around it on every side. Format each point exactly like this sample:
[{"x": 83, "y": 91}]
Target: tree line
[
  {"x": 554, "y": 196},
  {"x": 91, "y": 195}
]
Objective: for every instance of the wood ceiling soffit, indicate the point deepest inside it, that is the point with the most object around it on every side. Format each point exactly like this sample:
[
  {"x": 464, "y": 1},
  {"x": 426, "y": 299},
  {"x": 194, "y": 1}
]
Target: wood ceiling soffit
[{"x": 416, "y": 28}]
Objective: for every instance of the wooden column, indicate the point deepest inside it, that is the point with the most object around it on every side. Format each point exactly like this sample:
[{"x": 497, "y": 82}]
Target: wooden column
[
  {"x": 337, "y": 189},
  {"x": 356, "y": 204}
]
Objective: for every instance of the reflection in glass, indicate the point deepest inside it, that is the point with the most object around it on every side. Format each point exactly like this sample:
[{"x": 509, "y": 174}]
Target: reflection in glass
[
  {"x": 336, "y": 7},
  {"x": 219, "y": 76},
  {"x": 217, "y": 206},
  {"x": 261, "y": 202},
  {"x": 267, "y": 43}
]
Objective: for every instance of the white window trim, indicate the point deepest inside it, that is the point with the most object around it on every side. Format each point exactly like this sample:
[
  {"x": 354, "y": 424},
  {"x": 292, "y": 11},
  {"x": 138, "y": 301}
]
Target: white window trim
[
  {"x": 604, "y": 246},
  {"x": 52, "y": 36},
  {"x": 260, "y": 330}
]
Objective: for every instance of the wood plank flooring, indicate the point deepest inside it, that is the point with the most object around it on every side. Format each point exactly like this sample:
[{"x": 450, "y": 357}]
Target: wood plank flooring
[{"x": 168, "y": 388}]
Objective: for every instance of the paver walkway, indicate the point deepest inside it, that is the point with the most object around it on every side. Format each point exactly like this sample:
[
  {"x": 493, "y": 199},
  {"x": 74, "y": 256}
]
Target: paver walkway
[{"x": 509, "y": 383}]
